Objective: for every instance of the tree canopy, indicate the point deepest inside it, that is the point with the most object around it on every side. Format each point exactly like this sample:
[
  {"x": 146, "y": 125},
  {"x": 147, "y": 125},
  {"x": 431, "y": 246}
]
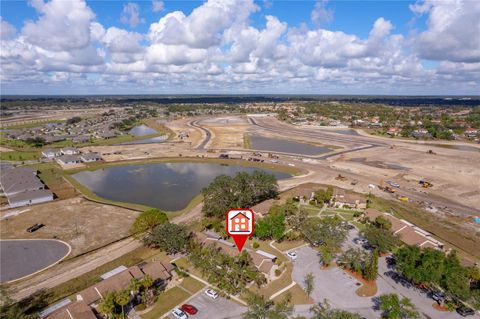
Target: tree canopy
[
  {"x": 171, "y": 238},
  {"x": 395, "y": 308},
  {"x": 435, "y": 268},
  {"x": 242, "y": 190},
  {"x": 270, "y": 227},
  {"x": 148, "y": 220},
  {"x": 381, "y": 238},
  {"x": 329, "y": 231},
  {"x": 261, "y": 308}
]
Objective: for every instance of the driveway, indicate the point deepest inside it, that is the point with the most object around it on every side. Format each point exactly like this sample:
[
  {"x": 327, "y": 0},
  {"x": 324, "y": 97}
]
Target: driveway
[
  {"x": 339, "y": 288},
  {"x": 221, "y": 308}
]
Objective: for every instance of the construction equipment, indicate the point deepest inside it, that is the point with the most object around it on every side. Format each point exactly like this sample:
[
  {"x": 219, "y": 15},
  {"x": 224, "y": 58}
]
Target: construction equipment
[
  {"x": 340, "y": 177},
  {"x": 403, "y": 198},
  {"x": 389, "y": 189},
  {"x": 431, "y": 152},
  {"x": 425, "y": 184}
]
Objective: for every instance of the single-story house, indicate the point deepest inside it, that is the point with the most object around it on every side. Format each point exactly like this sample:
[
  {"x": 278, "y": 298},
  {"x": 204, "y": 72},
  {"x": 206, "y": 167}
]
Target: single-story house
[
  {"x": 421, "y": 134},
  {"x": 68, "y": 160},
  {"x": 408, "y": 233},
  {"x": 394, "y": 131},
  {"x": 159, "y": 271},
  {"x": 471, "y": 132},
  {"x": 341, "y": 199},
  {"x": 69, "y": 151},
  {"x": 74, "y": 310},
  {"x": 90, "y": 157},
  {"x": 51, "y": 153},
  {"x": 30, "y": 198},
  {"x": 263, "y": 261}
]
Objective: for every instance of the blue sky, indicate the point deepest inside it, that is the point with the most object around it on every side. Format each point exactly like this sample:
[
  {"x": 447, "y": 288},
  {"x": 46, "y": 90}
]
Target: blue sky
[{"x": 317, "y": 47}]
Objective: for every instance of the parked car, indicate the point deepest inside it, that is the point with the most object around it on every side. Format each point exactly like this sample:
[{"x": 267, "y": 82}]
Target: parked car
[
  {"x": 465, "y": 311},
  {"x": 34, "y": 227},
  {"x": 191, "y": 310},
  {"x": 179, "y": 314},
  {"x": 354, "y": 182},
  {"x": 292, "y": 255},
  {"x": 317, "y": 243},
  {"x": 390, "y": 260},
  {"x": 438, "y": 296},
  {"x": 211, "y": 293},
  {"x": 371, "y": 186}
]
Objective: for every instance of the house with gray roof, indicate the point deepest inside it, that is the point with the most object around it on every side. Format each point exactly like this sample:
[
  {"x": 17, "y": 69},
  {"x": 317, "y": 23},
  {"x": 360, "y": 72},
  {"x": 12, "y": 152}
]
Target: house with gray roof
[
  {"x": 69, "y": 151},
  {"x": 51, "y": 153},
  {"x": 90, "y": 157},
  {"x": 68, "y": 160}
]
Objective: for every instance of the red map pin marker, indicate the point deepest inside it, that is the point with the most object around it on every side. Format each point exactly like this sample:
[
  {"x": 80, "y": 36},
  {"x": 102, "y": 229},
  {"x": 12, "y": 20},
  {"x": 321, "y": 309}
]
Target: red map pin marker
[{"x": 239, "y": 223}]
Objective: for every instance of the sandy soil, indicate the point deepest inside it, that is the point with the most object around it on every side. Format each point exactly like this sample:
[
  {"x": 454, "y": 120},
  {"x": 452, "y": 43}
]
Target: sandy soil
[
  {"x": 85, "y": 225},
  {"x": 4, "y": 149},
  {"x": 181, "y": 125}
]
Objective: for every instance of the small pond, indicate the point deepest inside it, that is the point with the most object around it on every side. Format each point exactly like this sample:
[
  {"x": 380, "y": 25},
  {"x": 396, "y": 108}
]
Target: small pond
[
  {"x": 157, "y": 139},
  {"x": 142, "y": 130},
  {"x": 285, "y": 146},
  {"x": 167, "y": 186}
]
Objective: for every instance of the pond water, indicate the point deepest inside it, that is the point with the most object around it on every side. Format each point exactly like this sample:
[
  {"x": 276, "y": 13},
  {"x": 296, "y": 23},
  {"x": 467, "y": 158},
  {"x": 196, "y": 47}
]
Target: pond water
[
  {"x": 345, "y": 132},
  {"x": 278, "y": 145},
  {"x": 142, "y": 130},
  {"x": 167, "y": 186},
  {"x": 157, "y": 139},
  {"x": 458, "y": 147}
]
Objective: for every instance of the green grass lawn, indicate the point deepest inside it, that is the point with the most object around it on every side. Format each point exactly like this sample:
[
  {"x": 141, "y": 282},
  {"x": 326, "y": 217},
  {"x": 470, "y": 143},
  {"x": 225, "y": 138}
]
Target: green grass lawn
[
  {"x": 172, "y": 297},
  {"x": 166, "y": 301},
  {"x": 20, "y": 155},
  {"x": 297, "y": 296}
]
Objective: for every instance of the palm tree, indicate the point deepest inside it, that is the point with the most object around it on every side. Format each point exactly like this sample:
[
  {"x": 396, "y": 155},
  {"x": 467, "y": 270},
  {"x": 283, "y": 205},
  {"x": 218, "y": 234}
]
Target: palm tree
[
  {"x": 395, "y": 308},
  {"x": 107, "y": 304},
  {"x": 309, "y": 283},
  {"x": 261, "y": 308},
  {"x": 122, "y": 298}
]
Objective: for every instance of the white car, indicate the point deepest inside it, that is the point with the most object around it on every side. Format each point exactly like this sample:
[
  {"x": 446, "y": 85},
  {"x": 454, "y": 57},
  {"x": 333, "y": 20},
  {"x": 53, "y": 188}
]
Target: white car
[
  {"x": 291, "y": 164},
  {"x": 371, "y": 186},
  {"x": 211, "y": 293},
  {"x": 179, "y": 313},
  {"x": 292, "y": 255}
]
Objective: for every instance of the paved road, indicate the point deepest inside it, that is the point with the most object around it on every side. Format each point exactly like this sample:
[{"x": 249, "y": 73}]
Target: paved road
[
  {"x": 20, "y": 258},
  {"x": 208, "y": 134}
]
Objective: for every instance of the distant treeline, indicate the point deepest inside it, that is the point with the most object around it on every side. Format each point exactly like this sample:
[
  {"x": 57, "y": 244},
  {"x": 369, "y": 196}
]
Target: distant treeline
[{"x": 233, "y": 99}]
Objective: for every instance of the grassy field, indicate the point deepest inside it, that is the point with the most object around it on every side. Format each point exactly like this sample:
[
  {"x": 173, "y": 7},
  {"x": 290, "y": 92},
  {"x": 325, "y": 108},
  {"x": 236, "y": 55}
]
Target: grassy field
[
  {"x": 172, "y": 297},
  {"x": 77, "y": 284},
  {"x": 296, "y": 295},
  {"x": 247, "y": 141},
  {"x": 288, "y": 244},
  {"x": 20, "y": 156}
]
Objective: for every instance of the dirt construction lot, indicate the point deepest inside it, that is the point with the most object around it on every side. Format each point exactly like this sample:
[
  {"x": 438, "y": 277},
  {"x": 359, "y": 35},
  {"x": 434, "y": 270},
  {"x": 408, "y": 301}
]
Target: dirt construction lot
[{"x": 83, "y": 224}]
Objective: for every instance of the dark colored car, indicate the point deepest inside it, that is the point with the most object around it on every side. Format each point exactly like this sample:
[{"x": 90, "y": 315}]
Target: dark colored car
[
  {"x": 191, "y": 310},
  {"x": 34, "y": 227},
  {"x": 464, "y": 311}
]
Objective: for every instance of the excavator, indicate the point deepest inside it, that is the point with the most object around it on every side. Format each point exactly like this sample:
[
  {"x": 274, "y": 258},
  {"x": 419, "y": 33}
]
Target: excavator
[
  {"x": 425, "y": 184},
  {"x": 386, "y": 188}
]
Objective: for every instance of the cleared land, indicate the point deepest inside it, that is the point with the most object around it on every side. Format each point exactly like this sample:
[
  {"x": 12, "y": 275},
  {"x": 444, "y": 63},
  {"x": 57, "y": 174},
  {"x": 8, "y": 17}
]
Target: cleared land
[{"x": 85, "y": 225}]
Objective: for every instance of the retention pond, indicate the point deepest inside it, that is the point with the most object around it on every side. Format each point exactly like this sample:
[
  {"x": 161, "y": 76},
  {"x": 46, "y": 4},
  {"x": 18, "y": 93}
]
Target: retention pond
[{"x": 167, "y": 186}]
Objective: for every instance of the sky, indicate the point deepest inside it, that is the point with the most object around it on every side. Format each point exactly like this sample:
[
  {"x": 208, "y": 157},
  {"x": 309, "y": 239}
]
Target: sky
[{"x": 423, "y": 47}]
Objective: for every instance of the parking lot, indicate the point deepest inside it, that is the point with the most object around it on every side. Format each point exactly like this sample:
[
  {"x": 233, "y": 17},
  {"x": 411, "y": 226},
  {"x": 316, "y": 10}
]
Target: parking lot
[
  {"x": 332, "y": 284},
  {"x": 339, "y": 287},
  {"x": 209, "y": 308}
]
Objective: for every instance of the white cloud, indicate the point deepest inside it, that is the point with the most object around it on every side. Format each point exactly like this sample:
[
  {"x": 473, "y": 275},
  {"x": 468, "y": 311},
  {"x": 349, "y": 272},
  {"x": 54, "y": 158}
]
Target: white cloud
[
  {"x": 131, "y": 14},
  {"x": 158, "y": 5},
  {"x": 62, "y": 25},
  {"x": 217, "y": 48},
  {"x": 453, "y": 30},
  {"x": 320, "y": 13},
  {"x": 7, "y": 31},
  {"x": 204, "y": 26}
]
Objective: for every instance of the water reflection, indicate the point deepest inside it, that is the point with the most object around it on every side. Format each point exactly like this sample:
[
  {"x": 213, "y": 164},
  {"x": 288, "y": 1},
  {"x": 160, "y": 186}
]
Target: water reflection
[
  {"x": 277, "y": 145},
  {"x": 168, "y": 186}
]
